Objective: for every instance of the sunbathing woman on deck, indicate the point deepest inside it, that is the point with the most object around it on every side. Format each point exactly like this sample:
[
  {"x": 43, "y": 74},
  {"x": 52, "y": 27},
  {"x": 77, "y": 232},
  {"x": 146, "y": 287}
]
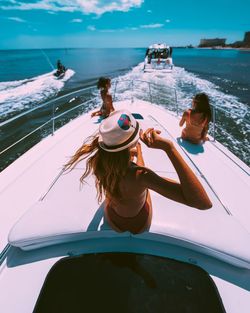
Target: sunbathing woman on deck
[
  {"x": 197, "y": 120},
  {"x": 107, "y": 107},
  {"x": 126, "y": 184}
]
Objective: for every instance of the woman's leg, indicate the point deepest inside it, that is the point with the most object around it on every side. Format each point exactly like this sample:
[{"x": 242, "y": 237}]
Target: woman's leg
[{"x": 97, "y": 113}]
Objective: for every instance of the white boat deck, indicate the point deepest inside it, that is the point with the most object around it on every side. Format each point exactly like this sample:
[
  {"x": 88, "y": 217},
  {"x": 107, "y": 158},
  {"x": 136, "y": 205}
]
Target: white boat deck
[
  {"x": 230, "y": 180},
  {"x": 61, "y": 212},
  {"x": 229, "y": 184}
]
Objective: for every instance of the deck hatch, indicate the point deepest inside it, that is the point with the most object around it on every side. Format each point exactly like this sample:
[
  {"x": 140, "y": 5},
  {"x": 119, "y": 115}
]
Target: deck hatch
[{"x": 125, "y": 282}]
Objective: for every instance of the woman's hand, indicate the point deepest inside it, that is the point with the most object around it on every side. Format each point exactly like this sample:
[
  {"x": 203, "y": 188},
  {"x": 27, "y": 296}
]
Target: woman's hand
[{"x": 152, "y": 139}]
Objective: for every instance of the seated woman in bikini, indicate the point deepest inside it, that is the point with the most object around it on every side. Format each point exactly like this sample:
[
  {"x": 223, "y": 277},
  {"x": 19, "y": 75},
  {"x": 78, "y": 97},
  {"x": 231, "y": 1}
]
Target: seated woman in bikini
[
  {"x": 197, "y": 120},
  {"x": 126, "y": 184},
  {"x": 104, "y": 85}
]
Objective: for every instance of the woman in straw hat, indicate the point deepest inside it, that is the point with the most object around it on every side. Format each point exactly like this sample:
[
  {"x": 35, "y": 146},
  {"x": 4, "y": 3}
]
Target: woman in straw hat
[{"x": 124, "y": 183}]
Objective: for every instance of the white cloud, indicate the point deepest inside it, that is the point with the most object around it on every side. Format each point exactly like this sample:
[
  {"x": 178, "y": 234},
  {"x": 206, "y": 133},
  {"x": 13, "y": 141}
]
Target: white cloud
[
  {"x": 91, "y": 27},
  {"x": 85, "y": 6},
  {"x": 167, "y": 21},
  {"x": 76, "y": 20},
  {"x": 16, "y": 19},
  {"x": 108, "y": 30},
  {"x": 129, "y": 28},
  {"x": 152, "y": 25}
]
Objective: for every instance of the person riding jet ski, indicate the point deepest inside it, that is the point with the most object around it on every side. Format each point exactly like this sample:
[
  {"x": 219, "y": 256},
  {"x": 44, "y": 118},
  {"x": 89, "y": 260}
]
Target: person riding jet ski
[{"x": 60, "y": 69}]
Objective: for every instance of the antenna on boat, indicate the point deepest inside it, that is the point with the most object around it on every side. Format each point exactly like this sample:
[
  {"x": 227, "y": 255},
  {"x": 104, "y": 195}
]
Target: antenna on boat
[{"x": 48, "y": 60}]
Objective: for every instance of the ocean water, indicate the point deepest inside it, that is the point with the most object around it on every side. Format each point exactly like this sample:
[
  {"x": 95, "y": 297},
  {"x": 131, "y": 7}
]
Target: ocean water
[{"x": 26, "y": 80}]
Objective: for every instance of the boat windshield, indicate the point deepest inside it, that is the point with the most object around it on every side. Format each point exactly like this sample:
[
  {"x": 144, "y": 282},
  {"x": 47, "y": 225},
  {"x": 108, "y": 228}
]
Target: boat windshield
[
  {"x": 125, "y": 282},
  {"x": 163, "y": 53}
]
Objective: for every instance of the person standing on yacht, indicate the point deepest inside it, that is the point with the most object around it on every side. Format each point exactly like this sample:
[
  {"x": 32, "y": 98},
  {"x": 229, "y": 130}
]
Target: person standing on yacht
[
  {"x": 197, "y": 120},
  {"x": 104, "y": 84},
  {"x": 126, "y": 184}
]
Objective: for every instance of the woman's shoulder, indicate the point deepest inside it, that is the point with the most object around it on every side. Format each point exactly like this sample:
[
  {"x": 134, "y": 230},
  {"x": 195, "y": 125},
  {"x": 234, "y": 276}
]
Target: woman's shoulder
[
  {"x": 142, "y": 174},
  {"x": 138, "y": 170}
]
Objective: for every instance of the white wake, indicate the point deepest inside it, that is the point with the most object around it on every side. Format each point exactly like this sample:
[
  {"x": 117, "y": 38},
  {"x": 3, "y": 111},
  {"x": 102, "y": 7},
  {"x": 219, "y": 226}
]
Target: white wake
[{"x": 23, "y": 94}]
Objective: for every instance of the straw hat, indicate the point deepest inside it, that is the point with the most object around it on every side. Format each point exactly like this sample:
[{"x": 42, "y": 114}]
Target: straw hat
[{"x": 119, "y": 131}]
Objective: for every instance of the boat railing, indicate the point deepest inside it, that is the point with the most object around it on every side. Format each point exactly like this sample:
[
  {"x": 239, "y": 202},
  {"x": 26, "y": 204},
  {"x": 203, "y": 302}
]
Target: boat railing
[
  {"x": 174, "y": 105},
  {"x": 73, "y": 104},
  {"x": 63, "y": 108},
  {"x": 148, "y": 91},
  {"x": 46, "y": 104}
]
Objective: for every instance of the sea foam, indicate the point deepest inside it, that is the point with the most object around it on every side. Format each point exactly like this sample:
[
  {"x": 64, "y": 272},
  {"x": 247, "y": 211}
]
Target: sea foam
[
  {"x": 232, "y": 122},
  {"x": 23, "y": 94}
]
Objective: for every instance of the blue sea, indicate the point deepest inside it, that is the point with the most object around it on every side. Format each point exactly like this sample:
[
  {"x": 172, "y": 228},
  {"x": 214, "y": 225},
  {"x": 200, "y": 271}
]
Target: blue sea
[{"x": 26, "y": 80}]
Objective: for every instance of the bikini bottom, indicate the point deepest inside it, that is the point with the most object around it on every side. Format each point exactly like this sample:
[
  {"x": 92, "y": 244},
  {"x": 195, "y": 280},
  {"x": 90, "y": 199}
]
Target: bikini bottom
[
  {"x": 135, "y": 224},
  {"x": 196, "y": 141}
]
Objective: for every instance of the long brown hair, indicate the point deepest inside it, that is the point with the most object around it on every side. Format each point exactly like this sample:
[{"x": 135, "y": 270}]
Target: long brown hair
[
  {"x": 202, "y": 105},
  {"x": 102, "y": 82},
  {"x": 108, "y": 167}
]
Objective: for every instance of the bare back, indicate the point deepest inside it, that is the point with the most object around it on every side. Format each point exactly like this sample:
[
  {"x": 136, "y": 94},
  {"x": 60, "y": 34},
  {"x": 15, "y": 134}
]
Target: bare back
[
  {"x": 195, "y": 125},
  {"x": 107, "y": 105},
  {"x": 133, "y": 194}
]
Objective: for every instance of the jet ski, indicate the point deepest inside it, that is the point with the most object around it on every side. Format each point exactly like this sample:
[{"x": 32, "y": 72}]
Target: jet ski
[{"x": 61, "y": 70}]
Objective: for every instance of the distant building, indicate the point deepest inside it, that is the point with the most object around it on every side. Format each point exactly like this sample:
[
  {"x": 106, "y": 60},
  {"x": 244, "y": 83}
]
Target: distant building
[{"x": 212, "y": 42}]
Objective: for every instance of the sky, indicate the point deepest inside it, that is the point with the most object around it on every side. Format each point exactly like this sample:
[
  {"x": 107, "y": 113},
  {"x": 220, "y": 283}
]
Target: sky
[{"x": 31, "y": 24}]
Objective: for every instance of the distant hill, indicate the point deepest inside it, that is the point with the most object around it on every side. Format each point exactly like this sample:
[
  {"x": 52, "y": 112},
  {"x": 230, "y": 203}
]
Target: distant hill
[{"x": 221, "y": 42}]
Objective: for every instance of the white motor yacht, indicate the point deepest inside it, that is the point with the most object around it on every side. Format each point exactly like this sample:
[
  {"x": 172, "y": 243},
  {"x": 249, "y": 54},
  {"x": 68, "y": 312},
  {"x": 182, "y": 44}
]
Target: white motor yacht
[
  {"x": 158, "y": 58},
  {"x": 59, "y": 255}
]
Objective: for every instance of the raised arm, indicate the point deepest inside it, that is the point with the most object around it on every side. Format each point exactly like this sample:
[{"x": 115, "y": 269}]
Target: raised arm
[
  {"x": 189, "y": 191},
  {"x": 140, "y": 160},
  {"x": 183, "y": 119}
]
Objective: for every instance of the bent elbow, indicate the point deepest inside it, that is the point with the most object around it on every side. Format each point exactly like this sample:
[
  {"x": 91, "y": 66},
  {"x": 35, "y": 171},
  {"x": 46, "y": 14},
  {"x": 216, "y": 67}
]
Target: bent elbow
[
  {"x": 201, "y": 205},
  {"x": 200, "y": 201},
  {"x": 206, "y": 205}
]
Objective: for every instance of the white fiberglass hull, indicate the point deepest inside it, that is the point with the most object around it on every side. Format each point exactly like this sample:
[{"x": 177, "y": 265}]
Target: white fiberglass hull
[
  {"x": 57, "y": 211},
  {"x": 158, "y": 65}
]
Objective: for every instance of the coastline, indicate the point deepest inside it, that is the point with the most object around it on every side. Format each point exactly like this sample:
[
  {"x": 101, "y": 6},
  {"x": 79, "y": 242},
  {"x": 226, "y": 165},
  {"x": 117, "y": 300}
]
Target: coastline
[
  {"x": 213, "y": 48},
  {"x": 222, "y": 48}
]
